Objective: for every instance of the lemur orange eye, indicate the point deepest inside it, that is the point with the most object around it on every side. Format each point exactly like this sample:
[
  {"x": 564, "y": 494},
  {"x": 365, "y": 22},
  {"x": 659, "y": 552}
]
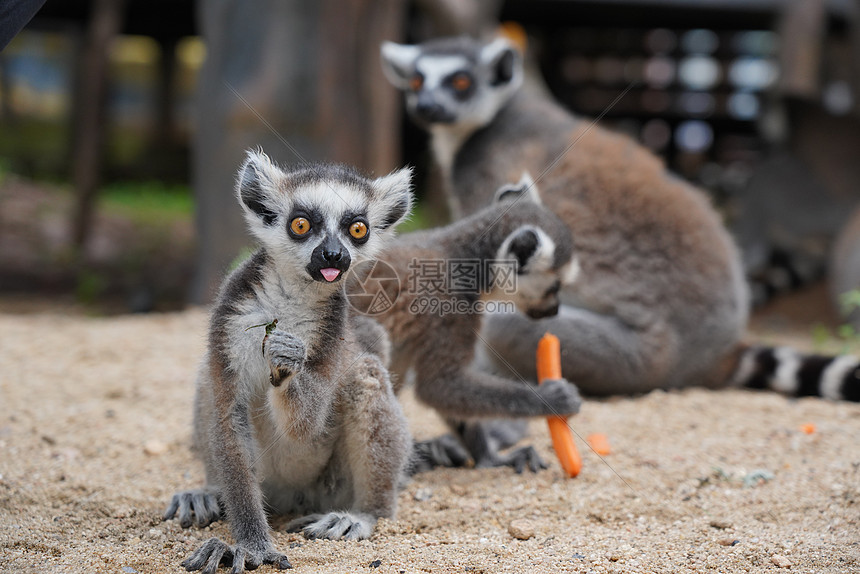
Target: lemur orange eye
[
  {"x": 416, "y": 82},
  {"x": 461, "y": 82},
  {"x": 358, "y": 229},
  {"x": 300, "y": 225}
]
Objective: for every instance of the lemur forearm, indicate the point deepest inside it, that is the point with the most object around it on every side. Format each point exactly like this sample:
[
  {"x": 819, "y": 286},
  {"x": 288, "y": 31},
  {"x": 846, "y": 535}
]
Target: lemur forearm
[
  {"x": 232, "y": 438},
  {"x": 470, "y": 393}
]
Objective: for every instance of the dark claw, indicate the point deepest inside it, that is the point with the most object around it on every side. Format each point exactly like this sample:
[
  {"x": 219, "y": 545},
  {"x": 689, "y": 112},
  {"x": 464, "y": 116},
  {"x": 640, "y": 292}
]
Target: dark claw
[{"x": 281, "y": 562}]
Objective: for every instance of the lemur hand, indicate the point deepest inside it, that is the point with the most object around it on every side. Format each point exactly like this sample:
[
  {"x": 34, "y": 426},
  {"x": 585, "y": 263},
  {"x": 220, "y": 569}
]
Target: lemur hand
[
  {"x": 285, "y": 354},
  {"x": 560, "y": 397}
]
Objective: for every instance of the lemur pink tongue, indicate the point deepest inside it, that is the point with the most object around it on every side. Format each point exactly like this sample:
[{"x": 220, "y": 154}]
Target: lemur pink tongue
[{"x": 330, "y": 273}]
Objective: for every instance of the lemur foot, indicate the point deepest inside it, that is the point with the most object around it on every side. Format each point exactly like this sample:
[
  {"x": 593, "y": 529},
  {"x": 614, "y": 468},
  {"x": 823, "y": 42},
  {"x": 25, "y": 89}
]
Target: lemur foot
[
  {"x": 214, "y": 552},
  {"x": 559, "y": 397},
  {"x": 285, "y": 353},
  {"x": 443, "y": 450},
  {"x": 334, "y": 525},
  {"x": 519, "y": 460},
  {"x": 201, "y": 502}
]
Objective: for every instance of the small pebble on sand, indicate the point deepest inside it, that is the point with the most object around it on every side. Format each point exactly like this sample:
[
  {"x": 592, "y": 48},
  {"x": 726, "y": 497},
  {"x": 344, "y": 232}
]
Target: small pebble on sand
[
  {"x": 154, "y": 447},
  {"x": 781, "y": 561},
  {"x": 521, "y": 529}
]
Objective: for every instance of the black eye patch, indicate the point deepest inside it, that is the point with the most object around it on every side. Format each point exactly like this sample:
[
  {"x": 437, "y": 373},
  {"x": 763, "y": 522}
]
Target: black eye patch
[{"x": 312, "y": 215}]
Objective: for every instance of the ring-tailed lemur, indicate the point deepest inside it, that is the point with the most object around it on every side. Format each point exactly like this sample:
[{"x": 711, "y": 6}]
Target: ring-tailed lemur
[
  {"x": 516, "y": 251},
  {"x": 661, "y": 300},
  {"x": 291, "y": 415}
]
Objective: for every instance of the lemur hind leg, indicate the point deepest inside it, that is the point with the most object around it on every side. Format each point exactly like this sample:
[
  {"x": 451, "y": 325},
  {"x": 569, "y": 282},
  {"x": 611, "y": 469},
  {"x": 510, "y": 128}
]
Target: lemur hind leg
[{"x": 375, "y": 448}]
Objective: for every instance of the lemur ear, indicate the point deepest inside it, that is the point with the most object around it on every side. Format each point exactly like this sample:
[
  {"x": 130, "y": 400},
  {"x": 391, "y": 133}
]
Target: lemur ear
[
  {"x": 525, "y": 189},
  {"x": 500, "y": 57},
  {"x": 523, "y": 245},
  {"x": 255, "y": 185},
  {"x": 394, "y": 198},
  {"x": 530, "y": 246},
  {"x": 398, "y": 63}
]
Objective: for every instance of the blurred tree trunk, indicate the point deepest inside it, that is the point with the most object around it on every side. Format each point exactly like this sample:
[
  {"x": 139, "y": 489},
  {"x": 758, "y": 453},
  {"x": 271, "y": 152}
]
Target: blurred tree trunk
[
  {"x": 802, "y": 28},
  {"x": 90, "y": 107},
  {"x": 302, "y": 80}
]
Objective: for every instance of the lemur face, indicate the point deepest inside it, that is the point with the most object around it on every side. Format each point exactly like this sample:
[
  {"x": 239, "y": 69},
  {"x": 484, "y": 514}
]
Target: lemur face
[
  {"x": 454, "y": 81},
  {"x": 539, "y": 276},
  {"x": 318, "y": 220},
  {"x": 542, "y": 250}
]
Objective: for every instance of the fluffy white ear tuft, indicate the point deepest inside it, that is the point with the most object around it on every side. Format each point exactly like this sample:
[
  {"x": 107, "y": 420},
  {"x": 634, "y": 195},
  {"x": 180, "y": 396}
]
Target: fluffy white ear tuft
[
  {"x": 525, "y": 188},
  {"x": 256, "y": 186},
  {"x": 393, "y": 197},
  {"x": 398, "y": 63},
  {"x": 570, "y": 271}
]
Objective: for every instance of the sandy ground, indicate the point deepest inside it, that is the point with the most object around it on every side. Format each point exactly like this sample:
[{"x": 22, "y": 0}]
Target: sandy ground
[{"x": 94, "y": 439}]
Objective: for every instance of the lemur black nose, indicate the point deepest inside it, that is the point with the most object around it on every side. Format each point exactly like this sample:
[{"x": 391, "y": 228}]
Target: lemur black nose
[
  {"x": 430, "y": 110},
  {"x": 332, "y": 256}
]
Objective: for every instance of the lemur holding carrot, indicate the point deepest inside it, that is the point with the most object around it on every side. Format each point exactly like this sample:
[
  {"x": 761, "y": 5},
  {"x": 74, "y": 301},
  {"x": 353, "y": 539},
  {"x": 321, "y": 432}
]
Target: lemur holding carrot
[
  {"x": 661, "y": 300},
  {"x": 292, "y": 412},
  {"x": 515, "y": 250}
]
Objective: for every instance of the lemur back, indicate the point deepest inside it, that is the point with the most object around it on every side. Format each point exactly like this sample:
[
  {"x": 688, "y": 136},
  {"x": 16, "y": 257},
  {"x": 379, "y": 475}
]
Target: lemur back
[
  {"x": 661, "y": 300},
  {"x": 292, "y": 415},
  {"x": 515, "y": 251}
]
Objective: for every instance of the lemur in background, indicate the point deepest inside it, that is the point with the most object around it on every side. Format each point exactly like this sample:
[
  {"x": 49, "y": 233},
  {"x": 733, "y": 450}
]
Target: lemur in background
[
  {"x": 291, "y": 414},
  {"x": 661, "y": 300},
  {"x": 515, "y": 250}
]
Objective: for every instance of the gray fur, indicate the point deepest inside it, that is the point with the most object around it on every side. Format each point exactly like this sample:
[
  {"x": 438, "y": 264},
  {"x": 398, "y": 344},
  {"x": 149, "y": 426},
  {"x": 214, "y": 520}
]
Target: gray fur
[
  {"x": 661, "y": 301},
  {"x": 439, "y": 348},
  {"x": 295, "y": 416}
]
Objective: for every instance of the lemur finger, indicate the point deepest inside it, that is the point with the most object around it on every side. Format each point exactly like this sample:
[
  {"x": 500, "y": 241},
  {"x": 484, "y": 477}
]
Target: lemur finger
[
  {"x": 218, "y": 553},
  {"x": 519, "y": 465},
  {"x": 239, "y": 558},
  {"x": 184, "y": 514},
  {"x": 198, "y": 505},
  {"x": 171, "y": 508},
  {"x": 536, "y": 464},
  {"x": 213, "y": 509},
  {"x": 201, "y": 555}
]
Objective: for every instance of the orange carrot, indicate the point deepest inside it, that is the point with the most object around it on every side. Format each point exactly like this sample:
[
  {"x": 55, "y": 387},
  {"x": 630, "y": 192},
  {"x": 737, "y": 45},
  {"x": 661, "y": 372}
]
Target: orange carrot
[
  {"x": 599, "y": 442},
  {"x": 549, "y": 367}
]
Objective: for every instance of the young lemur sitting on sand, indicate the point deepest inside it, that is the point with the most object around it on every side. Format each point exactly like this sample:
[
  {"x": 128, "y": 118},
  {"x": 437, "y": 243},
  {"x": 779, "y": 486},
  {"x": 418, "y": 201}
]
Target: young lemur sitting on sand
[{"x": 292, "y": 414}]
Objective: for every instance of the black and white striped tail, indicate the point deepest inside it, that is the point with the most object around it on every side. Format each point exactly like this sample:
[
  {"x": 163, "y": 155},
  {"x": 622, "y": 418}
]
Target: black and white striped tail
[{"x": 788, "y": 371}]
